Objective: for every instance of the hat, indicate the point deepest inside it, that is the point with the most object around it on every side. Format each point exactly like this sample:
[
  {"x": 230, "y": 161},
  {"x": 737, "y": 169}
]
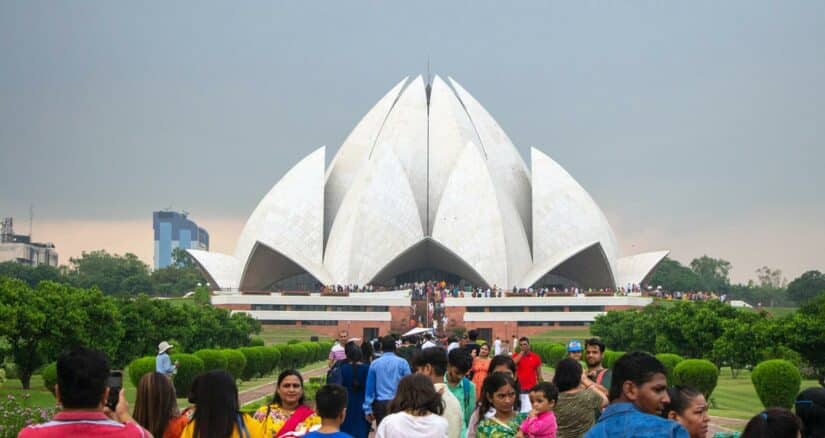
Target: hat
[
  {"x": 574, "y": 346},
  {"x": 163, "y": 346}
]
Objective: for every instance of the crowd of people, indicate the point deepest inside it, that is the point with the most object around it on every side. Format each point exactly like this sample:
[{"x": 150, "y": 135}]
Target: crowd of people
[{"x": 440, "y": 390}]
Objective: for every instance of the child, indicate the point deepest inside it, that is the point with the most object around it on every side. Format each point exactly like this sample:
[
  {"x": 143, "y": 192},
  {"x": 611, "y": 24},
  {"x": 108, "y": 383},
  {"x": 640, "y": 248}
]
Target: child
[
  {"x": 331, "y": 406},
  {"x": 541, "y": 422}
]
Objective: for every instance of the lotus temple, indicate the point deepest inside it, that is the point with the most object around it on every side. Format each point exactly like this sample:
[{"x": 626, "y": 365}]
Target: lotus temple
[{"x": 427, "y": 186}]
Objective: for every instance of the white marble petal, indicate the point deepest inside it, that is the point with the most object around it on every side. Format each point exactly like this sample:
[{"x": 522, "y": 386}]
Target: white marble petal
[
  {"x": 354, "y": 153},
  {"x": 290, "y": 218},
  {"x": 405, "y": 132},
  {"x": 378, "y": 220},
  {"x": 222, "y": 271},
  {"x": 267, "y": 265},
  {"x": 564, "y": 214},
  {"x": 469, "y": 222},
  {"x": 507, "y": 168},
  {"x": 634, "y": 269},
  {"x": 450, "y": 130}
]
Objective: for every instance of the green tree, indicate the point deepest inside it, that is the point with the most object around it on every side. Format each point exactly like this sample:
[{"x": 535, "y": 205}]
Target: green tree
[
  {"x": 673, "y": 276},
  {"x": 178, "y": 278},
  {"x": 112, "y": 274},
  {"x": 30, "y": 275},
  {"x": 742, "y": 341},
  {"x": 806, "y": 287},
  {"x": 713, "y": 272},
  {"x": 803, "y": 332}
]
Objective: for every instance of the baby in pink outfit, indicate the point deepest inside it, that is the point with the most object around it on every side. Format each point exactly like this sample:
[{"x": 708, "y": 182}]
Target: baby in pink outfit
[{"x": 541, "y": 422}]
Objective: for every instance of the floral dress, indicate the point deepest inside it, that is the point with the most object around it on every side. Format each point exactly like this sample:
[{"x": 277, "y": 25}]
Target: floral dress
[
  {"x": 278, "y": 416},
  {"x": 494, "y": 428}
]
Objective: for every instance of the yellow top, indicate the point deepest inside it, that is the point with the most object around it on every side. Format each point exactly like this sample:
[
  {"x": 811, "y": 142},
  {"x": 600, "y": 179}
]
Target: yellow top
[
  {"x": 278, "y": 416},
  {"x": 255, "y": 429}
]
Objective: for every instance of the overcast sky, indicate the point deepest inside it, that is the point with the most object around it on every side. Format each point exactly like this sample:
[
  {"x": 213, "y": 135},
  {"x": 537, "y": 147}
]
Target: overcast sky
[{"x": 697, "y": 127}]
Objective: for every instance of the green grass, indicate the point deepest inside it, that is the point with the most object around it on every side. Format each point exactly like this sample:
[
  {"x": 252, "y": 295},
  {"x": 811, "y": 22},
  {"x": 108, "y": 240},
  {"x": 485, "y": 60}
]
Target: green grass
[
  {"x": 276, "y": 334},
  {"x": 780, "y": 312},
  {"x": 736, "y": 398},
  {"x": 562, "y": 335}
]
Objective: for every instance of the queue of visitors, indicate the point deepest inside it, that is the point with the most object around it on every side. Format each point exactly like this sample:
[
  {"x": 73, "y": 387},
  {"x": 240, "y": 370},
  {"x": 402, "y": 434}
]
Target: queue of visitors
[{"x": 431, "y": 395}]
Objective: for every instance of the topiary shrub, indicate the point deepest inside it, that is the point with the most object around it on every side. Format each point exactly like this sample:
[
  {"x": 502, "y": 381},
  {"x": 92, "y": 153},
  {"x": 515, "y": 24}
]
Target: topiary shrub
[
  {"x": 555, "y": 353},
  {"x": 293, "y": 341},
  {"x": 610, "y": 358},
  {"x": 235, "y": 362},
  {"x": 49, "y": 375},
  {"x": 254, "y": 362},
  {"x": 189, "y": 367},
  {"x": 139, "y": 367},
  {"x": 776, "y": 382},
  {"x": 212, "y": 359},
  {"x": 669, "y": 360},
  {"x": 697, "y": 373},
  {"x": 256, "y": 341},
  {"x": 267, "y": 359},
  {"x": 275, "y": 357},
  {"x": 313, "y": 350},
  {"x": 295, "y": 354}
]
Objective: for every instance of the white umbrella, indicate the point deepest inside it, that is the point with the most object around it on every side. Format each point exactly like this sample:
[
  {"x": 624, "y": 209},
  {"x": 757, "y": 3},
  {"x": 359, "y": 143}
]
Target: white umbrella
[{"x": 417, "y": 331}]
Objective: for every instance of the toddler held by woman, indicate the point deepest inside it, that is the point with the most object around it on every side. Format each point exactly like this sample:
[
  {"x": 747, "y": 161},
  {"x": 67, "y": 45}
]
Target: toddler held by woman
[{"x": 541, "y": 422}]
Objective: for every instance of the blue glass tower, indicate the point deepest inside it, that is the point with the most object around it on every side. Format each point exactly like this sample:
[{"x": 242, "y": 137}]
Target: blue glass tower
[{"x": 175, "y": 230}]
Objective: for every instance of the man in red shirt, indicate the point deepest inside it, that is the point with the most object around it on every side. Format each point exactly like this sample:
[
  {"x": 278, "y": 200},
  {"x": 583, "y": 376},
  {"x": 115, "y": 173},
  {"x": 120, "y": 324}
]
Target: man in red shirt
[
  {"x": 81, "y": 389},
  {"x": 528, "y": 366}
]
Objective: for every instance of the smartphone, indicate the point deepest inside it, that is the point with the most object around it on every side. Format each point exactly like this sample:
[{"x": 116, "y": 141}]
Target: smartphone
[{"x": 115, "y": 383}]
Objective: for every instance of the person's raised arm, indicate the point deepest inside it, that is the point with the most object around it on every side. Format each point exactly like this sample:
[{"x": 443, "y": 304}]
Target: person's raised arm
[{"x": 517, "y": 357}]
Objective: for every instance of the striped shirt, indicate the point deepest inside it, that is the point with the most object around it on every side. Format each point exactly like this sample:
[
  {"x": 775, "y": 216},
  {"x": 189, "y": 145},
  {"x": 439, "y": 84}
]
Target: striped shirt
[{"x": 81, "y": 424}]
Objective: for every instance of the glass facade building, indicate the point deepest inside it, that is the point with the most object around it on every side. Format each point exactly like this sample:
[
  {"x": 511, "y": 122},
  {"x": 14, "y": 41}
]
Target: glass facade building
[{"x": 175, "y": 230}]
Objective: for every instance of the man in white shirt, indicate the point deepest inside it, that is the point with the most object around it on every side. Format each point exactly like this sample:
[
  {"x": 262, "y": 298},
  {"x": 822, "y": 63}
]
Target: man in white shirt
[
  {"x": 428, "y": 341},
  {"x": 497, "y": 346}
]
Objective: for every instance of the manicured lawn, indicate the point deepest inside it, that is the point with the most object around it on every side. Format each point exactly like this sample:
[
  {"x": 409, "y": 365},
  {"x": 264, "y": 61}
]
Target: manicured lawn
[
  {"x": 276, "y": 334},
  {"x": 736, "y": 398},
  {"x": 562, "y": 335}
]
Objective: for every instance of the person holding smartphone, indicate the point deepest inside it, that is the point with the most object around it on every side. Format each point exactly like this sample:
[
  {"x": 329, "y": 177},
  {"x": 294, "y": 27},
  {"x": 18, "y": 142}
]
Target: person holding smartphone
[
  {"x": 163, "y": 363},
  {"x": 83, "y": 391}
]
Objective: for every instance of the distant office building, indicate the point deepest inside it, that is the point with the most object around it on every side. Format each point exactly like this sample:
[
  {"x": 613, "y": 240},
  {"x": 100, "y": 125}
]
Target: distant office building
[
  {"x": 175, "y": 230},
  {"x": 20, "y": 248}
]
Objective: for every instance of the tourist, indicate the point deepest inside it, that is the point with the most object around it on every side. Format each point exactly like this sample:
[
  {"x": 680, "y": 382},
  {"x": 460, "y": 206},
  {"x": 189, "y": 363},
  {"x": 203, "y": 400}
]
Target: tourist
[
  {"x": 82, "y": 393},
  {"x": 429, "y": 341},
  {"x": 163, "y": 364},
  {"x": 480, "y": 366},
  {"x": 432, "y": 363},
  {"x": 688, "y": 407},
  {"x": 452, "y": 343},
  {"x": 287, "y": 414},
  {"x": 459, "y": 364},
  {"x": 528, "y": 368},
  {"x": 541, "y": 422},
  {"x": 156, "y": 406},
  {"x": 499, "y": 364},
  {"x": 218, "y": 411},
  {"x": 574, "y": 350},
  {"x": 336, "y": 353},
  {"x": 497, "y": 346},
  {"x": 331, "y": 404},
  {"x": 354, "y": 379},
  {"x": 638, "y": 393},
  {"x": 415, "y": 411},
  {"x": 472, "y": 346},
  {"x": 593, "y": 356},
  {"x": 382, "y": 379},
  {"x": 578, "y": 400},
  {"x": 810, "y": 408},
  {"x": 501, "y": 393},
  {"x": 773, "y": 422}
]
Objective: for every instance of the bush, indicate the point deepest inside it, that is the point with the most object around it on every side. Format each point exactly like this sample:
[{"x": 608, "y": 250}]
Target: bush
[
  {"x": 610, "y": 358},
  {"x": 212, "y": 359},
  {"x": 189, "y": 367},
  {"x": 776, "y": 382},
  {"x": 139, "y": 367},
  {"x": 555, "y": 353},
  {"x": 11, "y": 370},
  {"x": 294, "y": 355},
  {"x": 2, "y": 377},
  {"x": 293, "y": 341},
  {"x": 669, "y": 360},
  {"x": 49, "y": 375},
  {"x": 697, "y": 373},
  {"x": 16, "y": 413},
  {"x": 256, "y": 341},
  {"x": 268, "y": 359},
  {"x": 235, "y": 362},
  {"x": 254, "y": 362},
  {"x": 782, "y": 352}
]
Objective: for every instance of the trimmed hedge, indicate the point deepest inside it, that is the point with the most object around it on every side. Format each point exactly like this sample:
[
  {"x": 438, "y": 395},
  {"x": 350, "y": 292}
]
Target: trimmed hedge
[
  {"x": 139, "y": 367},
  {"x": 610, "y": 357},
  {"x": 256, "y": 341},
  {"x": 235, "y": 362},
  {"x": 254, "y": 362},
  {"x": 49, "y": 375},
  {"x": 776, "y": 382},
  {"x": 189, "y": 367},
  {"x": 212, "y": 359},
  {"x": 669, "y": 360},
  {"x": 697, "y": 373},
  {"x": 269, "y": 359}
]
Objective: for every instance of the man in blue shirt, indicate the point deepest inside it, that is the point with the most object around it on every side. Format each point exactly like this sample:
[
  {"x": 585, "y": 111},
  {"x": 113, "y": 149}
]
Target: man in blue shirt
[
  {"x": 163, "y": 364},
  {"x": 382, "y": 380},
  {"x": 638, "y": 393}
]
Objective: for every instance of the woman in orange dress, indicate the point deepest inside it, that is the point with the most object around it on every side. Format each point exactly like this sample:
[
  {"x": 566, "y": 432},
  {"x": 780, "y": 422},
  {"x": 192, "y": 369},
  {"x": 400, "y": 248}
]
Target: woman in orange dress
[{"x": 480, "y": 366}]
